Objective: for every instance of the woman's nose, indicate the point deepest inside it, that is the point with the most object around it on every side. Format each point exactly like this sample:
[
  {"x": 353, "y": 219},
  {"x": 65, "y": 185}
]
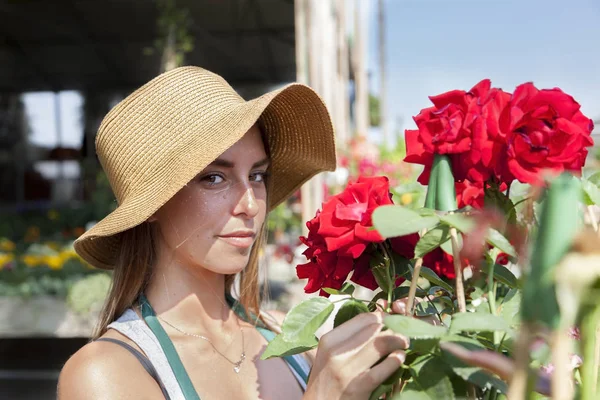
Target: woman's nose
[{"x": 248, "y": 204}]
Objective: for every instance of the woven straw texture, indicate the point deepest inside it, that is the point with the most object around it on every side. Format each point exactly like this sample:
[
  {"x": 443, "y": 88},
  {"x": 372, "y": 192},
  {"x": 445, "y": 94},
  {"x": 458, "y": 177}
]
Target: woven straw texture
[{"x": 161, "y": 136}]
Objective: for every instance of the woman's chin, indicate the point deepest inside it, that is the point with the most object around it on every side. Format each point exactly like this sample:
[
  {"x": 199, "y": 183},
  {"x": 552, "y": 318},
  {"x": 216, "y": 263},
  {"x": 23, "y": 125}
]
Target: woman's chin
[{"x": 228, "y": 266}]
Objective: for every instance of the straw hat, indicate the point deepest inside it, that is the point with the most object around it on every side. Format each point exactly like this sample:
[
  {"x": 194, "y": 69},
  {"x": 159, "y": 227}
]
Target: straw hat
[{"x": 161, "y": 136}]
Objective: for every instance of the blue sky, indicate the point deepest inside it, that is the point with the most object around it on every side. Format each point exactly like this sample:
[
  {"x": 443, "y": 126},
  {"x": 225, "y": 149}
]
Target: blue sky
[{"x": 438, "y": 45}]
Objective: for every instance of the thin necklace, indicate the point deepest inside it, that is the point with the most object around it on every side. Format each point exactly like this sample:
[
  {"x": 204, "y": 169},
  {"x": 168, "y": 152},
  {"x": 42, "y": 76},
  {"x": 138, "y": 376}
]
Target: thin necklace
[{"x": 236, "y": 364}]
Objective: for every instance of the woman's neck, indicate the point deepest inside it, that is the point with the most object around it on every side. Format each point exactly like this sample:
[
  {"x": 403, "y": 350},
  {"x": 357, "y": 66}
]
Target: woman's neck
[{"x": 193, "y": 299}]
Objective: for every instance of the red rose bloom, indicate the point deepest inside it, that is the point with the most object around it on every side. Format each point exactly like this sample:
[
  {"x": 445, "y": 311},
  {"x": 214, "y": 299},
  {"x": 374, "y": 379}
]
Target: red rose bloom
[
  {"x": 472, "y": 193},
  {"x": 339, "y": 235},
  {"x": 346, "y": 224},
  {"x": 544, "y": 130},
  {"x": 324, "y": 268},
  {"x": 458, "y": 125},
  {"x": 469, "y": 194}
]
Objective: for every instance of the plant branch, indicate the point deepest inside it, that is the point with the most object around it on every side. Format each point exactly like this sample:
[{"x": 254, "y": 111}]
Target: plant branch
[
  {"x": 519, "y": 381},
  {"x": 593, "y": 219},
  {"x": 562, "y": 377},
  {"x": 412, "y": 292},
  {"x": 460, "y": 286},
  {"x": 596, "y": 365}
]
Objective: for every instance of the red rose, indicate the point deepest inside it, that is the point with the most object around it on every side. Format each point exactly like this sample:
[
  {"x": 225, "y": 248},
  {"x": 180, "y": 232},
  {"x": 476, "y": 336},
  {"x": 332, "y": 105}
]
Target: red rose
[
  {"x": 458, "y": 125},
  {"x": 346, "y": 224},
  {"x": 362, "y": 274},
  {"x": 324, "y": 268},
  {"x": 469, "y": 194},
  {"x": 502, "y": 259},
  {"x": 544, "y": 130},
  {"x": 472, "y": 194},
  {"x": 339, "y": 235}
]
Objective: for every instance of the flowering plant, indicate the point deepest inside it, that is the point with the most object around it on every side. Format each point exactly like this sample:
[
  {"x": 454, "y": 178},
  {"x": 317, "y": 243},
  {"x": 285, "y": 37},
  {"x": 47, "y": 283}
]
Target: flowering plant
[{"x": 509, "y": 282}]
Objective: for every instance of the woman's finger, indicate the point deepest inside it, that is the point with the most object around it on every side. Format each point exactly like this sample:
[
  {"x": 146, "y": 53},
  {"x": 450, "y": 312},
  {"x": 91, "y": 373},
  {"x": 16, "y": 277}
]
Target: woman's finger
[
  {"x": 349, "y": 329},
  {"x": 399, "y": 307},
  {"x": 379, "y": 346},
  {"x": 380, "y": 372}
]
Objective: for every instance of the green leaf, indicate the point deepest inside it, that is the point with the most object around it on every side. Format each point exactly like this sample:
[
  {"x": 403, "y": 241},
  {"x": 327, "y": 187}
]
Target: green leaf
[
  {"x": 477, "y": 322},
  {"x": 498, "y": 240},
  {"x": 380, "y": 268},
  {"x": 510, "y": 306},
  {"x": 494, "y": 198},
  {"x": 387, "y": 385},
  {"x": 447, "y": 245},
  {"x": 347, "y": 289},
  {"x": 402, "y": 291},
  {"x": 332, "y": 291},
  {"x": 475, "y": 375},
  {"x": 441, "y": 192},
  {"x": 557, "y": 229},
  {"x": 373, "y": 303},
  {"x": 413, "y": 328},
  {"x": 591, "y": 192},
  {"x": 392, "y": 221},
  {"x": 503, "y": 275},
  {"x": 279, "y": 347},
  {"x": 458, "y": 221},
  {"x": 379, "y": 391},
  {"x": 431, "y": 376},
  {"x": 412, "y": 392},
  {"x": 424, "y": 309},
  {"x": 432, "y": 277},
  {"x": 594, "y": 178},
  {"x": 349, "y": 310},
  {"x": 302, "y": 321},
  {"x": 424, "y": 346},
  {"x": 437, "y": 291},
  {"x": 432, "y": 240},
  {"x": 402, "y": 266}
]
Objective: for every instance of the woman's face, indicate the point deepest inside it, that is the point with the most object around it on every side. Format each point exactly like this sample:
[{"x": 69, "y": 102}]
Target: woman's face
[{"x": 215, "y": 219}]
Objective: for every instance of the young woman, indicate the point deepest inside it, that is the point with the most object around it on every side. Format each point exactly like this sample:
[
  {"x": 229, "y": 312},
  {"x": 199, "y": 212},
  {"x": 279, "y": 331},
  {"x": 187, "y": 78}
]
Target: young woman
[{"x": 195, "y": 170}]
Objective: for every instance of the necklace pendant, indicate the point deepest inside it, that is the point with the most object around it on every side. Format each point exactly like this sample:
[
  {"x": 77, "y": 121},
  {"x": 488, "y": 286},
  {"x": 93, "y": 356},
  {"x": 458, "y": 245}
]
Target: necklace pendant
[{"x": 236, "y": 369}]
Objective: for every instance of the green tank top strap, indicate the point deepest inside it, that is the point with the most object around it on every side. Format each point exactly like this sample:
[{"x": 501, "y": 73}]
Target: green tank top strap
[{"x": 181, "y": 375}]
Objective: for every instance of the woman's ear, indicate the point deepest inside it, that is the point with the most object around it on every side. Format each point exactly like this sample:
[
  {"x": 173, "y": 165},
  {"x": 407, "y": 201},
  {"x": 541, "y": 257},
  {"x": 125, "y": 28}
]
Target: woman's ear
[{"x": 152, "y": 218}]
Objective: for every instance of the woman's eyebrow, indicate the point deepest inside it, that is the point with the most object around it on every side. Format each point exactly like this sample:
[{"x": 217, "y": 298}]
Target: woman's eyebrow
[{"x": 219, "y": 162}]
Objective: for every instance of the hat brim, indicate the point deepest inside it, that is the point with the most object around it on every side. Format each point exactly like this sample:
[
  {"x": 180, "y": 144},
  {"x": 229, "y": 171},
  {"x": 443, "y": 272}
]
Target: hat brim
[{"x": 300, "y": 136}]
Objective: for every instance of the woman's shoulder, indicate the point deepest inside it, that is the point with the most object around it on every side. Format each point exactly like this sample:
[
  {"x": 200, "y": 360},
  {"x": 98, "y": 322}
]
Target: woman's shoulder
[{"x": 105, "y": 370}]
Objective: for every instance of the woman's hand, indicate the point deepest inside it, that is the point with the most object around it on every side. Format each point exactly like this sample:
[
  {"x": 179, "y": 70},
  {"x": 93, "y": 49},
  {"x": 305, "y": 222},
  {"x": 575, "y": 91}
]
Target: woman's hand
[{"x": 344, "y": 365}]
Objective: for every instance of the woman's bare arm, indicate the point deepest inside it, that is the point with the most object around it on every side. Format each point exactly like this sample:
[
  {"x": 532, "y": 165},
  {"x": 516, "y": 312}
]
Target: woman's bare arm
[{"x": 102, "y": 370}]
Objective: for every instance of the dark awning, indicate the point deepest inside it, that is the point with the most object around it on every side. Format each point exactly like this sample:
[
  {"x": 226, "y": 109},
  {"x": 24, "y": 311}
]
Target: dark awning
[{"x": 98, "y": 45}]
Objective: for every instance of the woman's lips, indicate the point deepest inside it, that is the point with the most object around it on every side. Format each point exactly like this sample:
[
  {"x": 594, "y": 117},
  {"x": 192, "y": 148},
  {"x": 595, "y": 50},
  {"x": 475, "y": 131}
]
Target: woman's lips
[{"x": 242, "y": 241}]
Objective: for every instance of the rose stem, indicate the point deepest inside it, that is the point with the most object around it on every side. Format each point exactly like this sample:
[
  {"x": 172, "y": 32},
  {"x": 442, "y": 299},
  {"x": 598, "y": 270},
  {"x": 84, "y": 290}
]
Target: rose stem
[
  {"x": 460, "y": 288},
  {"x": 519, "y": 379},
  {"x": 562, "y": 376},
  {"x": 412, "y": 292},
  {"x": 592, "y": 215},
  {"x": 492, "y": 289},
  {"x": 596, "y": 365}
]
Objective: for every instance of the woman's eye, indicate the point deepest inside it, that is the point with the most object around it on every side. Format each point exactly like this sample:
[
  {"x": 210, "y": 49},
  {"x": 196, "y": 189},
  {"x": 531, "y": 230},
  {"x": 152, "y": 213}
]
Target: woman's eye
[
  {"x": 258, "y": 177},
  {"x": 213, "y": 179}
]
